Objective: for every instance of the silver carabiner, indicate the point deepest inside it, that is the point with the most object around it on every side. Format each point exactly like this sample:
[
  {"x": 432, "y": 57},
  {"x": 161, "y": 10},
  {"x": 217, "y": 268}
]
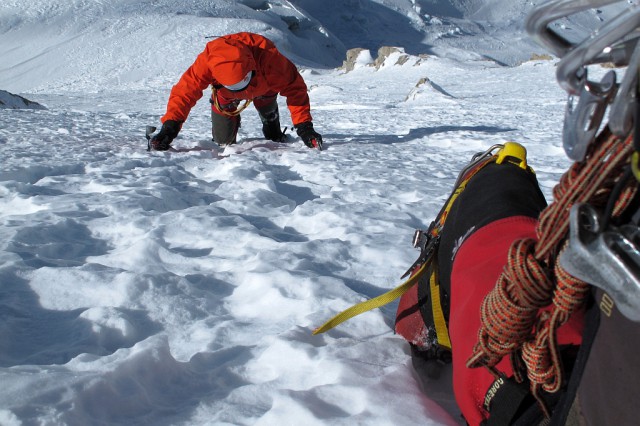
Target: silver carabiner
[
  {"x": 606, "y": 258},
  {"x": 537, "y": 23},
  {"x": 602, "y": 46},
  {"x": 582, "y": 120},
  {"x": 623, "y": 107}
]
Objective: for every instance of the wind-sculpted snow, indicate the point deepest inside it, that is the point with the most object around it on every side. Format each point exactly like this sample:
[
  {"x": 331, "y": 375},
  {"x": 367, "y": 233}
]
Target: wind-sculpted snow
[{"x": 182, "y": 287}]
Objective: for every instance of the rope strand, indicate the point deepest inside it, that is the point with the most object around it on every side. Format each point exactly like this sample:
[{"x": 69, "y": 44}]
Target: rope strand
[{"x": 514, "y": 318}]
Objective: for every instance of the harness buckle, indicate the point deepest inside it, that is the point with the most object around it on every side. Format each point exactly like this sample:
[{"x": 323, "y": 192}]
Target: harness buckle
[
  {"x": 420, "y": 239},
  {"x": 427, "y": 241}
]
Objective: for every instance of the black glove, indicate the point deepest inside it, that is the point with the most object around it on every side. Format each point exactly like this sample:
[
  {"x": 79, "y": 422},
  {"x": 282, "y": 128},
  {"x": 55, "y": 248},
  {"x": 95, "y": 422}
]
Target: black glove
[
  {"x": 310, "y": 137},
  {"x": 162, "y": 140}
]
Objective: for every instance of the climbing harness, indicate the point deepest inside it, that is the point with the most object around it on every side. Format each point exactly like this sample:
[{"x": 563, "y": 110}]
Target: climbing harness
[
  {"x": 428, "y": 240},
  {"x": 229, "y": 113}
]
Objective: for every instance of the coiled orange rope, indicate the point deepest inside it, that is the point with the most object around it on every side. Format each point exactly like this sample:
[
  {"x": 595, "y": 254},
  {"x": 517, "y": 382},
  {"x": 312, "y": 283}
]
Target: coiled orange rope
[
  {"x": 512, "y": 316},
  {"x": 229, "y": 113}
]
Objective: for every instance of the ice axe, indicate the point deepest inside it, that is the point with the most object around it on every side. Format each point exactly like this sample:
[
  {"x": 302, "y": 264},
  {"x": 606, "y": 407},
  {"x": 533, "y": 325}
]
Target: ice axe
[
  {"x": 316, "y": 143},
  {"x": 149, "y": 133}
]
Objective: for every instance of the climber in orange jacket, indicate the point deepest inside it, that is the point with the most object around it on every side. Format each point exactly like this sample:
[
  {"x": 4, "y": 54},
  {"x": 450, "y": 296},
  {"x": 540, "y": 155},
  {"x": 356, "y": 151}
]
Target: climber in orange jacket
[{"x": 241, "y": 68}]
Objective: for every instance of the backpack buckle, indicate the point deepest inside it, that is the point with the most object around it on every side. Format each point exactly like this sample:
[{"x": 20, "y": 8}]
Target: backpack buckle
[
  {"x": 420, "y": 239},
  {"x": 513, "y": 152},
  {"x": 427, "y": 241}
]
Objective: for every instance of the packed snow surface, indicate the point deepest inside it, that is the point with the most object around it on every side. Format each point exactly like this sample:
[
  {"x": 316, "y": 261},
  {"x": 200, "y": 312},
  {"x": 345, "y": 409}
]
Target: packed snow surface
[{"x": 182, "y": 287}]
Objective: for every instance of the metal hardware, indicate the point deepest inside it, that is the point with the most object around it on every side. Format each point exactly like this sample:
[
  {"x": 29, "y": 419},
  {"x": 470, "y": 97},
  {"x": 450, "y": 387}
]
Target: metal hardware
[
  {"x": 606, "y": 258},
  {"x": 582, "y": 122},
  {"x": 538, "y": 21},
  {"x": 598, "y": 48},
  {"x": 623, "y": 107},
  {"x": 149, "y": 130}
]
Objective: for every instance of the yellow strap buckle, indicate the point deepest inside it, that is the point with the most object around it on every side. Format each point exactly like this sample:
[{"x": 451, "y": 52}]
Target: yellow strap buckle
[{"x": 514, "y": 153}]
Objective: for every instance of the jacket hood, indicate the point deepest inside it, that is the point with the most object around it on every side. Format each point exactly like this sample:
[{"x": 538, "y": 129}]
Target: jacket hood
[{"x": 230, "y": 61}]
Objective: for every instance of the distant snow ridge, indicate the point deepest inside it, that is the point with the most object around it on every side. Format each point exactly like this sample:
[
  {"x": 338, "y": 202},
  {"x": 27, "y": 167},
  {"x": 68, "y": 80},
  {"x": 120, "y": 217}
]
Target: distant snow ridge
[
  {"x": 11, "y": 101},
  {"x": 387, "y": 56}
]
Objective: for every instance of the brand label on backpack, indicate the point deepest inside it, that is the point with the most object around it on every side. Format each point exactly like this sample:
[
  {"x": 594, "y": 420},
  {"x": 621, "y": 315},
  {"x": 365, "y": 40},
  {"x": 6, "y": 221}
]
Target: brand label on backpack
[
  {"x": 606, "y": 304},
  {"x": 492, "y": 392}
]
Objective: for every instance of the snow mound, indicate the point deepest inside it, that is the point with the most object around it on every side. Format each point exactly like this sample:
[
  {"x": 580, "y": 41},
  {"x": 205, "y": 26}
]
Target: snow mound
[{"x": 426, "y": 87}]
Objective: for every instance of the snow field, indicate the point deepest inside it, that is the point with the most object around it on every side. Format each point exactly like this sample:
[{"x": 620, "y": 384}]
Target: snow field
[{"x": 182, "y": 287}]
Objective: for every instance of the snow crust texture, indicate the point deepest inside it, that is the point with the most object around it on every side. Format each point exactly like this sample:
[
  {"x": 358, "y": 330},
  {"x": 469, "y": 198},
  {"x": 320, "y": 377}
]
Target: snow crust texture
[{"x": 182, "y": 287}]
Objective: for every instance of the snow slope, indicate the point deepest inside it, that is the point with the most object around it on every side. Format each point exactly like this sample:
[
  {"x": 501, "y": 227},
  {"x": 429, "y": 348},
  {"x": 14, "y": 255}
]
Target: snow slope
[
  {"x": 181, "y": 287},
  {"x": 91, "y": 45}
]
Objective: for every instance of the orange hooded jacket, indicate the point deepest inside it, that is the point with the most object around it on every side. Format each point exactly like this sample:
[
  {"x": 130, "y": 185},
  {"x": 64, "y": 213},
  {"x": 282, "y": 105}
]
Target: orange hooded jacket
[{"x": 227, "y": 60}]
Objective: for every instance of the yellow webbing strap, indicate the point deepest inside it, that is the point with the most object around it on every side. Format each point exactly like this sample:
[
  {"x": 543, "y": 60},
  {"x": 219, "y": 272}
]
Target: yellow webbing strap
[
  {"x": 370, "y": 304},
  {"x": 442, "y": 331},
  {"x": 513, "y": 152},
  {"x": 635, "y": 165},
  {"x": 392, "y": 295}
]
